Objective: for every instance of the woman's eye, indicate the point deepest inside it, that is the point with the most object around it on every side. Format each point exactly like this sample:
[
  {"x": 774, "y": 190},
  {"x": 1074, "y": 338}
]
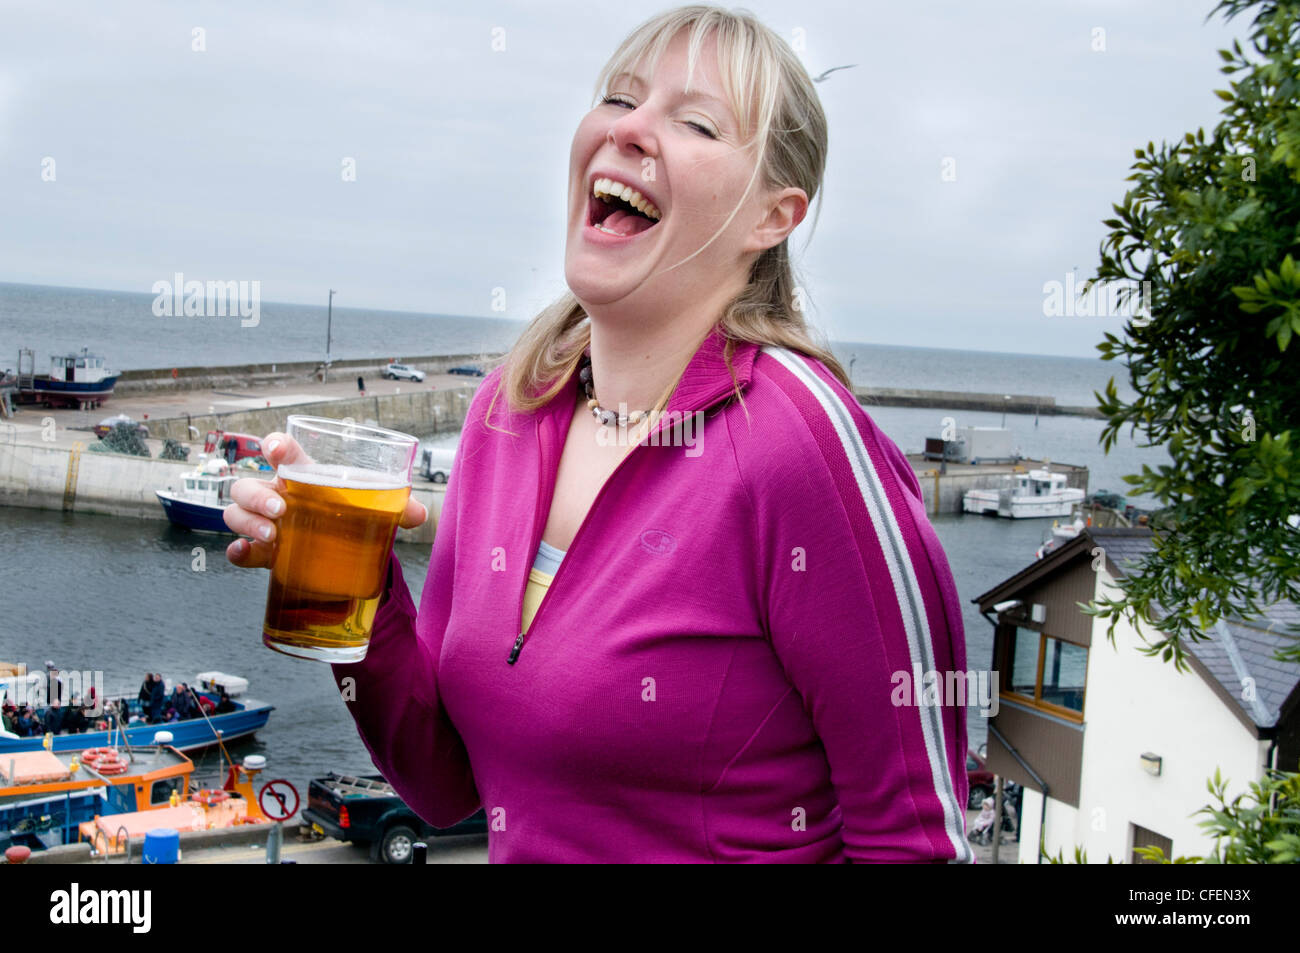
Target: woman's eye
[{"x": 617, "y": 100}]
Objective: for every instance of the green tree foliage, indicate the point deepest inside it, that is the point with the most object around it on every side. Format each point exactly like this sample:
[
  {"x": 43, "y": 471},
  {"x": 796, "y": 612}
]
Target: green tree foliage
[{"x": 1211, "y": 224}]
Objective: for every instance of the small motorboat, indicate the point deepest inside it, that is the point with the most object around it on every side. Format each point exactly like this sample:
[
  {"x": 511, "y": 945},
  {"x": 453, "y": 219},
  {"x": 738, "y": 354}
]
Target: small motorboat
[
  {"x": 1060, "y": 534},
  {"x": 1036, "y": 493},
  {"x": 200, "y": 731},
  {"x": 204, "y": 493}
]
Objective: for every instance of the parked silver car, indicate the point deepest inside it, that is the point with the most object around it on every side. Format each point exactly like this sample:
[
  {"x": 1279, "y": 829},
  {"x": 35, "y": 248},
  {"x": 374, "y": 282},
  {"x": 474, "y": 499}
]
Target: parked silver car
[{"x": 402, "y": 372}]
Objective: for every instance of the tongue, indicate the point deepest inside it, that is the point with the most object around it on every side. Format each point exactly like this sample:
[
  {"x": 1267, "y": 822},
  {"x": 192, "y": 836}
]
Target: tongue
[{"x": 623, "y": 222}]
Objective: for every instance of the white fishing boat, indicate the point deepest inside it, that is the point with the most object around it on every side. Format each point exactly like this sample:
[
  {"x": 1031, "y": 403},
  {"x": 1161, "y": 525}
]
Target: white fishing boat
[
  {"x": 1030, "y": 495},
  {"x": 203, "y": 493}
]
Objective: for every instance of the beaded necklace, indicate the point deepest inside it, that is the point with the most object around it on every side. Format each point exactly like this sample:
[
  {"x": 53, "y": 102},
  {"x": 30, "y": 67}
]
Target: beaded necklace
[{"x": 607, "y": 417}]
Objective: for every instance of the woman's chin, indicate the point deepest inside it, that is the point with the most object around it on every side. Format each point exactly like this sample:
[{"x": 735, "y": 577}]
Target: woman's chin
[{"x": 594, "y": 285}]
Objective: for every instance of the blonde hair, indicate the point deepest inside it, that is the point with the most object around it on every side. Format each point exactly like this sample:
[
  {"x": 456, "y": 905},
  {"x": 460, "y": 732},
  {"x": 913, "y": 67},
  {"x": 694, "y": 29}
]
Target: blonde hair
[{"x": 779, "y": 112}]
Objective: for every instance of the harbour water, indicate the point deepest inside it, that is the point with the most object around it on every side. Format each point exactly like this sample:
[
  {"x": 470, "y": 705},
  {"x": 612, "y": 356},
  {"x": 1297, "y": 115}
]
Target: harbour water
[{"x": 129, "y": 596}]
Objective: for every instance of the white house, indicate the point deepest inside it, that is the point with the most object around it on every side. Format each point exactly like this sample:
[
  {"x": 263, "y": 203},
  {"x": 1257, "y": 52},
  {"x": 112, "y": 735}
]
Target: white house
[{"x": 1124, "y": 742}]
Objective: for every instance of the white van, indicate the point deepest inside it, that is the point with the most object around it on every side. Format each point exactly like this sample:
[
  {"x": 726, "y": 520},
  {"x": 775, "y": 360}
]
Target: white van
[{"x": 435, "y": 463}]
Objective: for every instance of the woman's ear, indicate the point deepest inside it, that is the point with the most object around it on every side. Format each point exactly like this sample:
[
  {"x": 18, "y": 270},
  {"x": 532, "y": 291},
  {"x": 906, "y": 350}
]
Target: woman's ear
[{"x": 782, "y": 213}]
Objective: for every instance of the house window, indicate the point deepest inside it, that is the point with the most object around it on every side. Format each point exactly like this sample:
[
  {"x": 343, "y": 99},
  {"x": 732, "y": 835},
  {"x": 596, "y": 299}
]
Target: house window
[
  {"x": 1145, "y": 838},
  {"x": 1046, "y": 672},
  {"x": 1024, "y": 663},
  {"x": 1064, "y": 667}
]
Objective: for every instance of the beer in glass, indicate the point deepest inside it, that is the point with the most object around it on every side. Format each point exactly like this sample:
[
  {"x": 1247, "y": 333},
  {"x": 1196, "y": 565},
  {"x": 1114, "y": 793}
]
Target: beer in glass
[{"x": 331, "y": 551}]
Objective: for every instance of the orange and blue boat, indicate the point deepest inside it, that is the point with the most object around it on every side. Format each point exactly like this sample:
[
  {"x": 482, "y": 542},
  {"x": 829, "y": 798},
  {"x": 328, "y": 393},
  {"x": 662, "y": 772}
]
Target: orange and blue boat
[{"x": 46, "y": 795}]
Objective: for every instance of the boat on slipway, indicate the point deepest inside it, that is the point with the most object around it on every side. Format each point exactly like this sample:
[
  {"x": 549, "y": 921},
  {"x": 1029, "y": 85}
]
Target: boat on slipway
[{"x": 80, "y": 380}]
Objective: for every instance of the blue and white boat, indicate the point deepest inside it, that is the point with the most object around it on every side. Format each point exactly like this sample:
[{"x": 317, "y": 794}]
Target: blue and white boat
[
  {"x": 191, "y": 734},
  {"x": 204, "y": 493},
  {"x": 75, "y": 380}
]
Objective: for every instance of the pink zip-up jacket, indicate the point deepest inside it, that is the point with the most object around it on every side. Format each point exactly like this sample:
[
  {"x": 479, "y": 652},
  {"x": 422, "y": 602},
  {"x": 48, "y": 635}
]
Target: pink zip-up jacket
[{"x": 714, "y": 672}]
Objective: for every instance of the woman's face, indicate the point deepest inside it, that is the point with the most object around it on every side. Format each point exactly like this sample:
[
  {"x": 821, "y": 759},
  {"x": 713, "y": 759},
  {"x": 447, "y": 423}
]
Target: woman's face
[{"x": 684, "y": 155}]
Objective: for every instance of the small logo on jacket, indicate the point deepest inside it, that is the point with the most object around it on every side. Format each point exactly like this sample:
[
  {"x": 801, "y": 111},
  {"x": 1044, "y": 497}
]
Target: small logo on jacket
[{"x": 658, "y": 541}]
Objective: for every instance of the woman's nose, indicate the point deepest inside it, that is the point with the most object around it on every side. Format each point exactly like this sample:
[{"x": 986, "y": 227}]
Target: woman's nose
[{"x": 633, "y": 131}]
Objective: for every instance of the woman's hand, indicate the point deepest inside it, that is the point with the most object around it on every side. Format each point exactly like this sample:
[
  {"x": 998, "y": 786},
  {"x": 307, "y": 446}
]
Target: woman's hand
[{"x": 259, "y": 504}]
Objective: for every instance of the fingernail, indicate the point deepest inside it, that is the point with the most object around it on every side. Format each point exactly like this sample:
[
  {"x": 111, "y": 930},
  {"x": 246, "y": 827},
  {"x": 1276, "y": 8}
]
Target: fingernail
[
  {"x": 241, "y": 546},
  {"x": 271, "y": 445},
  {"x": 274, "y": 506},
  {"x": 265, "y": 532}
]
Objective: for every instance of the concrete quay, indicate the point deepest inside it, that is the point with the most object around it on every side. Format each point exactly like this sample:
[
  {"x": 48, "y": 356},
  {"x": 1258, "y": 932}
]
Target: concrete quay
[
  {"x": 45, "y": 462},
  {"x": 964, "y": 400},
  {"x": 943, "y": 486}
]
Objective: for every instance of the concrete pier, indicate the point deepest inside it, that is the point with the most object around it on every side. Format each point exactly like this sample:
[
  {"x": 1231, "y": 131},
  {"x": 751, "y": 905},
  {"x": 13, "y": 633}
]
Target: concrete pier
[
  {"x": 944, "y": 486},
  {"x": 961, "y": 400},
  {"x": 45, "y": 461}
]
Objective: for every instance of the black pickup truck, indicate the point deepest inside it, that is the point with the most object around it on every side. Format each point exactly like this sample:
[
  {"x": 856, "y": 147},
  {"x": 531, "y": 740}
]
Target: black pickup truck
[{"x": 366, "y": 810}]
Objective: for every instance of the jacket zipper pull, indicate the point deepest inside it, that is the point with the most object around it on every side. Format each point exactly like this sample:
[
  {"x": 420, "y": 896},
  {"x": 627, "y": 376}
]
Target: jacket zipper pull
[{"x": 514, "y": 652}]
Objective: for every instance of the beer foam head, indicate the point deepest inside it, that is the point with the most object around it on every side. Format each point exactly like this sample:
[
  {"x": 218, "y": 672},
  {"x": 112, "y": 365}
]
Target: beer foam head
[{"x": 339, "y": 476}]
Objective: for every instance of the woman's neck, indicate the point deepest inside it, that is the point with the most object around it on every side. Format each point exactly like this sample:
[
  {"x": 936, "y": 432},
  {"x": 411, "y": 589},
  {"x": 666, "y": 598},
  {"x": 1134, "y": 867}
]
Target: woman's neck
[{"x": 631, "y": 371}]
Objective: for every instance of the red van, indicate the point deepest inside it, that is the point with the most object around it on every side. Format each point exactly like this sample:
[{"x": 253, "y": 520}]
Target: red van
[{"x": 232, "y": 446}]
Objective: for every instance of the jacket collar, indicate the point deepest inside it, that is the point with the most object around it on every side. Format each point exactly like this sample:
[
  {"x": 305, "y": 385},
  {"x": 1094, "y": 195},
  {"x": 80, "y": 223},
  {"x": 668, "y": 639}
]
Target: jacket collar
[
  {"x": 705, "y": 382},
  {"x": 706, "y": 379}
]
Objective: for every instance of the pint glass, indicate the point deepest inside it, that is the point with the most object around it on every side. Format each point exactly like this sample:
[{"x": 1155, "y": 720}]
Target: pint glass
[{"x": 331, "y": 550}]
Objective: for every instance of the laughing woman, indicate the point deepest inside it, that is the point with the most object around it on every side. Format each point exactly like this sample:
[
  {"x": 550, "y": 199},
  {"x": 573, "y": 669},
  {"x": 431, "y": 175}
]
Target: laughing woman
[{"x": 678, "y": 572}]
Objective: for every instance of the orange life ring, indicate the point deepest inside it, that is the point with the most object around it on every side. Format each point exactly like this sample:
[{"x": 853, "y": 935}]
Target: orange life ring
[
  {"x": 104, "y": 760},
  {"x": 210, "y": 796}
]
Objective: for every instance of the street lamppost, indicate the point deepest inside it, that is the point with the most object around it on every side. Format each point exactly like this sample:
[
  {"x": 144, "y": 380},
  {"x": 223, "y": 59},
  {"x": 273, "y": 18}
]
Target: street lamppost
[{"x": 329, "y": 329}]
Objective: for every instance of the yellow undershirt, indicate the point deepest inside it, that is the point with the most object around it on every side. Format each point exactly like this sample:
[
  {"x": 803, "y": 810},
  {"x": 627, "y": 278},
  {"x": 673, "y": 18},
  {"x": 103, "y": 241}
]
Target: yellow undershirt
[{"x": 538, "y": 583}]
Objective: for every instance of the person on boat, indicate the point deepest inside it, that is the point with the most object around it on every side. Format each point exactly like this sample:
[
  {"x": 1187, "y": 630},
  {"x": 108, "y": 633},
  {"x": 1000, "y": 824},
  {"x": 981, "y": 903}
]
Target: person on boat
[
  {"x": 74, "y": 718},
  {"x": 146, "y": 690},
  {"x": 28, "y": 723},
  {"x": 181, "y": 702},
  {"x": 710, "y": 673},
  {"x": 54, "y": 717},
  {"x": 224, "y": 705},
  {"x": 157, "y": 698},
  {"x": 10, "y": 718}
]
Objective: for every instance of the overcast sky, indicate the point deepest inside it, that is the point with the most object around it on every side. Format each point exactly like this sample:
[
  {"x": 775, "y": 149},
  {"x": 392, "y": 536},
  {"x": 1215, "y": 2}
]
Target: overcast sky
[{"x": 226, "y": 163}]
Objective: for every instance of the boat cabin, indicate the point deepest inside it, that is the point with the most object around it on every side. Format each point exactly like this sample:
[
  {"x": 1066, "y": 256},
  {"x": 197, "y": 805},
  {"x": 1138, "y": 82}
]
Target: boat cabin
[
  {"x": 1039, "y": 483},
  {"x": 209, "y": 489},
  {"x": 83, "y": 368}
]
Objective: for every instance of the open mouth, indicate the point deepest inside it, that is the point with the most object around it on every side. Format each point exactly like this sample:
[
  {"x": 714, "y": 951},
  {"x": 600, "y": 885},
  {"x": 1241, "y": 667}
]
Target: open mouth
[{"x": 620, "y": 210}]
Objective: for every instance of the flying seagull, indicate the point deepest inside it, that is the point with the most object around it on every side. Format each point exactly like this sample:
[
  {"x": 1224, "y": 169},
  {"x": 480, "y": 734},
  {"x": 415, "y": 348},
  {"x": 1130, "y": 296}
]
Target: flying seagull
[{"x": 818, "y": 79}]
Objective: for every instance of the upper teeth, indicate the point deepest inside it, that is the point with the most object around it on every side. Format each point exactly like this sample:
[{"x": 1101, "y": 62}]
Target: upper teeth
[{"x": 608, "y": 187}]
